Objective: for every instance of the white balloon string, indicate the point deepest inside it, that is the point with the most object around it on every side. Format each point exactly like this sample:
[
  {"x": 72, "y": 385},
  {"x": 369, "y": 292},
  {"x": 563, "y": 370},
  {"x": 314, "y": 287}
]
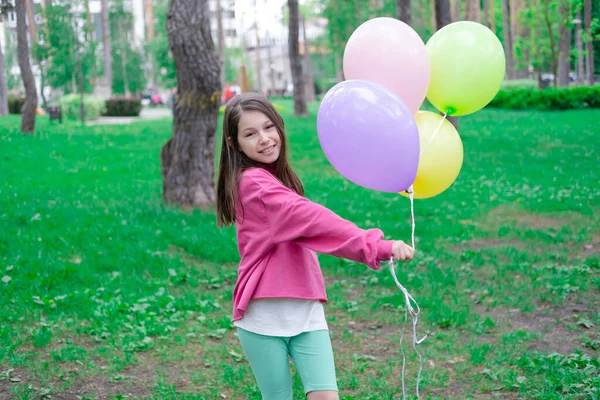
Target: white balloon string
[
  {"x": 414, "y": 314},
  {"x": 411, "y": 195},
  {"x": 434, "y": 134}
]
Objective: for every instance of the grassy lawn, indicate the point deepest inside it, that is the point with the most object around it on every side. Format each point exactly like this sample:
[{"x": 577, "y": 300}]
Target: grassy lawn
[{"x": 107, "y": 293}]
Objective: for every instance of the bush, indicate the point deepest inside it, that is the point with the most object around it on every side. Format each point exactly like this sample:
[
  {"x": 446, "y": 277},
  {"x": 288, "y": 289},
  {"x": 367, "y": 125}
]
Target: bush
[
  {"x": 548, "y": 99},
  {"x": 123, "y": 107},
  {"x": 94, "y": 106},
  {"x": 15, "y": 104}
]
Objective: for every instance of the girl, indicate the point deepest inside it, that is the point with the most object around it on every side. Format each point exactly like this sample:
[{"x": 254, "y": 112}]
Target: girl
[{"x": 278, "y": 296}]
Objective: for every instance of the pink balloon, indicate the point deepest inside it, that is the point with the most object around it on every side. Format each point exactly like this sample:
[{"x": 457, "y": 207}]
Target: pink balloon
[{"x": 389, "y": 52}]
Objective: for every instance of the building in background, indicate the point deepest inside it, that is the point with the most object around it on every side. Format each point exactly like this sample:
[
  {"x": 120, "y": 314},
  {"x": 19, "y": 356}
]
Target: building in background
[
  {"x": 263, "y": 36},
  {"x": 8, "y": 39},
  {"x": 228, "y": 16},
  {"x": 255, "y": 32}
]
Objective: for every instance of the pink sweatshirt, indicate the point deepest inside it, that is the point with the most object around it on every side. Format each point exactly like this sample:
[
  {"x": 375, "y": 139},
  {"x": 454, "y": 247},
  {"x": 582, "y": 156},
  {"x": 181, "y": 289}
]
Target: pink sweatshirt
[{"x": 278, "y": 233}]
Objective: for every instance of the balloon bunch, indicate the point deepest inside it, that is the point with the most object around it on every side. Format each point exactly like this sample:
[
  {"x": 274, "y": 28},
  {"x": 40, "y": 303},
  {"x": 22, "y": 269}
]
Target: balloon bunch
[{"x": 370, "y": 127}]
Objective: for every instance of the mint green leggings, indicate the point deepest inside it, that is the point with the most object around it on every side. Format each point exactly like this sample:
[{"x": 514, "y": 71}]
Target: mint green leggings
[{"x": 268, "y": 357}]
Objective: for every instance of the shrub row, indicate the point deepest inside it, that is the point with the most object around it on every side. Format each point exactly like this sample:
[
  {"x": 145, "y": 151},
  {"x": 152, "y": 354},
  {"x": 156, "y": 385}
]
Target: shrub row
[
  {"x": 548, "y": 99},
  {"x": 123, "y": 107},
  {"x": 94, "y": 106},
  {"x": 15, "y": 104}
]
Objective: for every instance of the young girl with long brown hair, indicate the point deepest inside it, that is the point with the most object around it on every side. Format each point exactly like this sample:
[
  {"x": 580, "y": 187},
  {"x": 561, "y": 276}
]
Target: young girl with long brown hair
[{"x": 279, "y": 294}]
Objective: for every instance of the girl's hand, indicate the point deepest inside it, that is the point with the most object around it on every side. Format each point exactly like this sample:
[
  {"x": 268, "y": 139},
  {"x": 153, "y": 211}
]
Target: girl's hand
[{"x": 402, "y": 251}]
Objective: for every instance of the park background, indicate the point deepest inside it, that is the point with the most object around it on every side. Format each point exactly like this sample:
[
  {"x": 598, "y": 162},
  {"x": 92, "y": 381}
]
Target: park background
[{"x": 114, "y": 287}]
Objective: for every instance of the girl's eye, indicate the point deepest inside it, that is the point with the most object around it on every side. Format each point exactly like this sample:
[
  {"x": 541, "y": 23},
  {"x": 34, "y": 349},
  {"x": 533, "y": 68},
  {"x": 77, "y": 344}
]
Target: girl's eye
[
  {"x": 249, "y": 134},
  {"x": 270, "y": 126}
]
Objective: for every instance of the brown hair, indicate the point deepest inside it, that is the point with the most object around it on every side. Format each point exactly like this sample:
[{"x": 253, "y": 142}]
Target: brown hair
[{"x": 233, "y": 162}]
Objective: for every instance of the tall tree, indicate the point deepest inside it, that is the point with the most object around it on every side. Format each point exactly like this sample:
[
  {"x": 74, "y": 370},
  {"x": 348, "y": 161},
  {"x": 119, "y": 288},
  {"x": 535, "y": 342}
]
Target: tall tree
[
  {"x": 486, "y": 13},
  {"x": 564, "y": 61},
  {"x": 126, "y": 58},
  {"x": 519, "y": 30},
  {"x": 149, "y": 23},
  {"x": 589, "y": 46},
  {"x": 473, "y": 11},
  {"x": 455, "y": 13},
  {"x": 164, "y": 67},
  {"x": 61, "y": 66},
  {"x": 257, "y": 50},
  {"x": 3, "y": 87},
  {"x": 187, "y": 158},
  {"x": 579, "y": 47},
  {"x": 30, "y": 105},
  {"x": 442, "y": 13},
  {"x": 89, "y": 31},
  {"x": 508, "y": 44},
  {"x": 106, "y": 42},
  {"x": 492, "y": 16},
  {"x": 551, "y": 37},
  {"x": 221, "y": 42},
  {"x": 403, "y": 11},
  {"x": 309, "y": 82},
  {"x": 295, "y": 60},
  {"x": 31, "y": 22}
]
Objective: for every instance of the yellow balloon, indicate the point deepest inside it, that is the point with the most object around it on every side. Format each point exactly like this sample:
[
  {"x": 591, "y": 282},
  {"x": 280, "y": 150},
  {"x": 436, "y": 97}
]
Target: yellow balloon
[{"x": 441, "y": 155}]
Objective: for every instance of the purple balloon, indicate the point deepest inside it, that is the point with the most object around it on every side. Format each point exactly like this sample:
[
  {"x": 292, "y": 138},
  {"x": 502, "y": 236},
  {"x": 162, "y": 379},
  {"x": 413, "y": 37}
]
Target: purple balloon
[{"x": 369, "y": 136}]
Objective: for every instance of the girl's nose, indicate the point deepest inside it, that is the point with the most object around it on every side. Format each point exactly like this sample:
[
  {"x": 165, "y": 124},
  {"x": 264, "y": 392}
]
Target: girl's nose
[{"x": 262, "y": 137}]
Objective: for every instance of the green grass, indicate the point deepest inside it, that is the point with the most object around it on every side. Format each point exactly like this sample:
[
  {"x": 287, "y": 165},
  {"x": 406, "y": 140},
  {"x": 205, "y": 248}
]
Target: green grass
[{"x": 106, "y": 292}]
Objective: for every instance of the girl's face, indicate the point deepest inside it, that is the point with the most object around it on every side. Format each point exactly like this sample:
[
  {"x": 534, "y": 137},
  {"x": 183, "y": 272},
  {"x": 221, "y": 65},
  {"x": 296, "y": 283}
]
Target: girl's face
[{"x": 258, "y": 137}]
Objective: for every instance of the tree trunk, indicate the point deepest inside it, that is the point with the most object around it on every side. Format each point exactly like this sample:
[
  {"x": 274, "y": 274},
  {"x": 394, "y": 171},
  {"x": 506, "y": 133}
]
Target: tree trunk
[
  {"x": 90, "y": 37},
  {"x": 272, "y": 85},
  {"x": 514, "y": 7},
  {"x": 31, "y": 22},
  {"x": 442, "y": 13},
  {"x": 486, "y": 13},
  {"x": 564, "y": 45},
  {"x": 492, "y": 16},
  {"x": 43, "y": 85},
  {"x": 403, "y": 11},
  {"x": 553, "y": 52},
  {"x": 473, "y": 11},
  {"x": 221, "y": 43},
  {"x": 295, "y": 61},
  {"x": 589, "y": 46},
  {"x": 518, "y": 30},
  {"x": 88, "y": 21},
  {"x": 123, "y": 46},
  {"x": 3, "y": 87},
  {"x": 579, "y": 46},
  {"x": 443, "y": 18},
  {"x": 149, "y": 22},
  {"x": 30, "y": 105},
  {"x": 187, "y": 158},
  {"x": 108, "y": 76},
  {"x": 508, "y": 45},
  {"x": 456, "y": 11},
  {"x": 243, "y": 79},
  {"x": 309, "y": 82},
  {"x": 259, "y": 86},
  {"x": 81, "y": 100}
]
